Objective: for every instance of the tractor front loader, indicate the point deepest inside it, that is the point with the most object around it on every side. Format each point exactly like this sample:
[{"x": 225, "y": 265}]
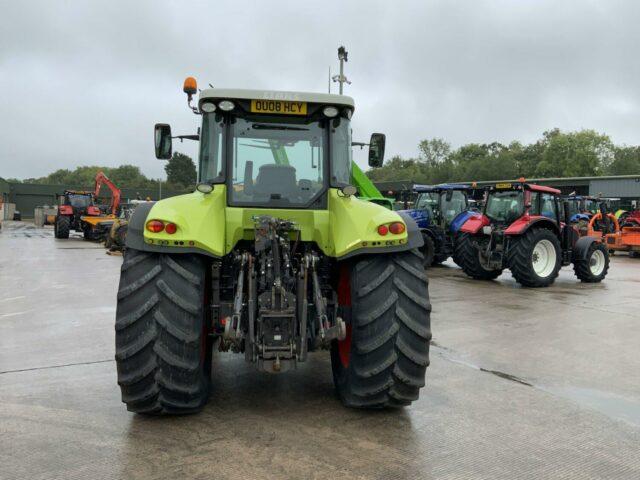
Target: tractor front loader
[{"x": 272, "y": 257}]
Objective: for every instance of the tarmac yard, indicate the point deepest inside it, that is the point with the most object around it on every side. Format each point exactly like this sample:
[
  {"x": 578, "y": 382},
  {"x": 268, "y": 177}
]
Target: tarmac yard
[{"x": 522, "y": 384}]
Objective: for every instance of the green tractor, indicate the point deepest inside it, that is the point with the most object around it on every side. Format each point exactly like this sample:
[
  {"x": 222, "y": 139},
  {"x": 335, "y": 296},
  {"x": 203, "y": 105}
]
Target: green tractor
[{"x": 272, "y": 257}]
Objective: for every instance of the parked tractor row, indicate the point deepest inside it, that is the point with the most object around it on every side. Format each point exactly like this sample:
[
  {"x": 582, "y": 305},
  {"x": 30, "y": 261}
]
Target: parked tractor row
[{"x": 529, "y": 229}]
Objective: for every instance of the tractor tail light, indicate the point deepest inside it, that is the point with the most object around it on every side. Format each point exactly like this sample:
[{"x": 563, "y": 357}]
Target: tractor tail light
[
  {"x": 383, "y": 230},
  {"x": 397, "y": 228},
  {"x": 155, "y": 226},
  {"x": 170, "y": 228}
]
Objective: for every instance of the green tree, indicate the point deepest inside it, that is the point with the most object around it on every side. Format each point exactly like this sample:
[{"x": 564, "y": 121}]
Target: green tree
[
  {"x": 575, "y": 154},
  {"x": 434, "y": 152},
  {"x": 181, "y": 170},
  {"x": 626, "y": 161}
]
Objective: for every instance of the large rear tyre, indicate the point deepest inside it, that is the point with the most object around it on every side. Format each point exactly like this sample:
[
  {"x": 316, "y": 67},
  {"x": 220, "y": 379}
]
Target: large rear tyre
[
  {"x": 162, "y": 353},
  {"x": 534, "y": 257},
  {"x": 62, "y": 226},
  {"x": 428, "y": 250},
  {"x": 121, "y": 235},
  {"x": 467, "y": 256},
  {"x": 383, "y": 360},
  {"x": 595, "y": 266}
]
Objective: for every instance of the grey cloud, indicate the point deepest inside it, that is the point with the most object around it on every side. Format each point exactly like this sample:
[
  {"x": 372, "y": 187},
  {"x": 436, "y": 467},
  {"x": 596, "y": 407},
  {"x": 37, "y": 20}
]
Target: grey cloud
[{"x": 83, "y": 82}]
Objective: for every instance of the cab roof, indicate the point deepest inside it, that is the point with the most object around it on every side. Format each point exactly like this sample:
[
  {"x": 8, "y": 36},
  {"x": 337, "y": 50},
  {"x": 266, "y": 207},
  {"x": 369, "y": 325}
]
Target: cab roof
[
  {"x": 242, "y": 94},
  {"x": 579, "y": 197},
  {"x": 542, "y": 188},
  {"x": 526, "y": 186},
  {"x": 440, "y": 188}
]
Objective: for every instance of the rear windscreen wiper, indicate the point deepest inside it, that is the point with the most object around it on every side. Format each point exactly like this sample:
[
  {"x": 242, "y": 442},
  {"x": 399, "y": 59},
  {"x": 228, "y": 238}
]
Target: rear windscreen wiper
[{"x": 259, "y": 126}]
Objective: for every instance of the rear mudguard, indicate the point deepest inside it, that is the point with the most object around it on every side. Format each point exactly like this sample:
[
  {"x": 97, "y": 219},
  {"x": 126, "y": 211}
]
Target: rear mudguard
[
  {"x": 460, "y": 219},
  {"x": 205, "y": 225},
  {"x": 525, "y": 222},
  {"x": 135, "y": 235},
  {"x": 581, "y": 248},
  {"x": 421, "y": 217},
  {"x": 474, "y": 223},
  {"x": 414, "y": 240}
]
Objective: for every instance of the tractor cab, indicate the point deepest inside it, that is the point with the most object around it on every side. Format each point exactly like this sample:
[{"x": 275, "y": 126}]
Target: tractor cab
[
  {"x": 507, "y": 203},
  {"x": 580, "y": 207},
  {"x": 439, "y": 204},
  {"x": 275, "y": 149},
  {"x": 439, "y": 211},
  {"x": 77, "y": 203}
]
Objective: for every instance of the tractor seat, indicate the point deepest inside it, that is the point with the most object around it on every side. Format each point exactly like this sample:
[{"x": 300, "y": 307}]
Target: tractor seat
[{"x": 275, "y": 179}]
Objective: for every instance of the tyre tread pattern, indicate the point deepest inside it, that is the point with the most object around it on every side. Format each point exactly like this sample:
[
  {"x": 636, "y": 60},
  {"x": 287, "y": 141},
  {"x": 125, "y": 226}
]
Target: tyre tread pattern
[
  {"x": 62, "y": 226},
  {"x": 159, "y": 331},
  {"x": 466, "y": 256},
  {"x": 390, "y": 332},
  {"x": 582, "y": 267}
]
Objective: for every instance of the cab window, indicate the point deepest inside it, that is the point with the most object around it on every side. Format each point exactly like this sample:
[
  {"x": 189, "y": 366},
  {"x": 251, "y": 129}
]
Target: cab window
[
  {"x": 535, "y": 203},
  {"x": 548, "y": 206}
]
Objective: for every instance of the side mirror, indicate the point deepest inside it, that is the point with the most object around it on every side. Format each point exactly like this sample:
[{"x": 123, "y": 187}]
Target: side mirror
[
  {"x": 449, "y": 195},
  {"x": 376, "y": 149},
  {"x": 162, "y": 134}
]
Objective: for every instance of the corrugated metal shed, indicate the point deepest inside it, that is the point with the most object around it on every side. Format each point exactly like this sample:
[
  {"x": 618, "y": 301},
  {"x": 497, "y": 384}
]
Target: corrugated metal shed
[
  {"x": 28, "y": 196},
  {"x": 619, "y": 187}
]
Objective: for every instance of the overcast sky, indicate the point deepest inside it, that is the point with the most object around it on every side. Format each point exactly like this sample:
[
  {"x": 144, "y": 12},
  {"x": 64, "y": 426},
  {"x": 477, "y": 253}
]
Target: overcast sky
[{"x": 82, "y": 83}]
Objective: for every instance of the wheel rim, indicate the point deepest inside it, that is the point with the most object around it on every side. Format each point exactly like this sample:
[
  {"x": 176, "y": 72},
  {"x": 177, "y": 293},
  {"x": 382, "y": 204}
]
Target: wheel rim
[
  {"x": 596, "y": 262},
  {"x": 543, "y": 258}
]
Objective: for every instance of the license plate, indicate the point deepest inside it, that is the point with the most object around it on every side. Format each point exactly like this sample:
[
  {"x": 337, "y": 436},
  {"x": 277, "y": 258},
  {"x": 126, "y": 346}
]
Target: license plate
[
  {"x": 279, "y": 107},
  {"x": 503, "y": 185}
]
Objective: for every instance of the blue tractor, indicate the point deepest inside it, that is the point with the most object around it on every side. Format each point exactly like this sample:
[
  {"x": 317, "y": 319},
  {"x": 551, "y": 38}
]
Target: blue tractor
[
  {"x": 440, "y": 210},
  {"x": 581, "y": 207}
]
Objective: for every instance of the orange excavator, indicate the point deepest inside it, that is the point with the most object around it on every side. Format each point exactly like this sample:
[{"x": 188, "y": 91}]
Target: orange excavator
[
  {"x": 78, "y": 211},
  {"x": 101, "y": 179}
]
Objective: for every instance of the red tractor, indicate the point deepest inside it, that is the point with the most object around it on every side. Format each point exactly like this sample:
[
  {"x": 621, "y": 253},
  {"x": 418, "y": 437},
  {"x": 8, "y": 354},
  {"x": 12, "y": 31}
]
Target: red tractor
[
  {"x": 521, "y": 228},
  {"x": 73, "y": 207}
]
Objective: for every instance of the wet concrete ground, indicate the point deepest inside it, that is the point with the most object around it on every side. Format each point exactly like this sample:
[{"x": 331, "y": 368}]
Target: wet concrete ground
[{"x": 523, "y": 384}]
